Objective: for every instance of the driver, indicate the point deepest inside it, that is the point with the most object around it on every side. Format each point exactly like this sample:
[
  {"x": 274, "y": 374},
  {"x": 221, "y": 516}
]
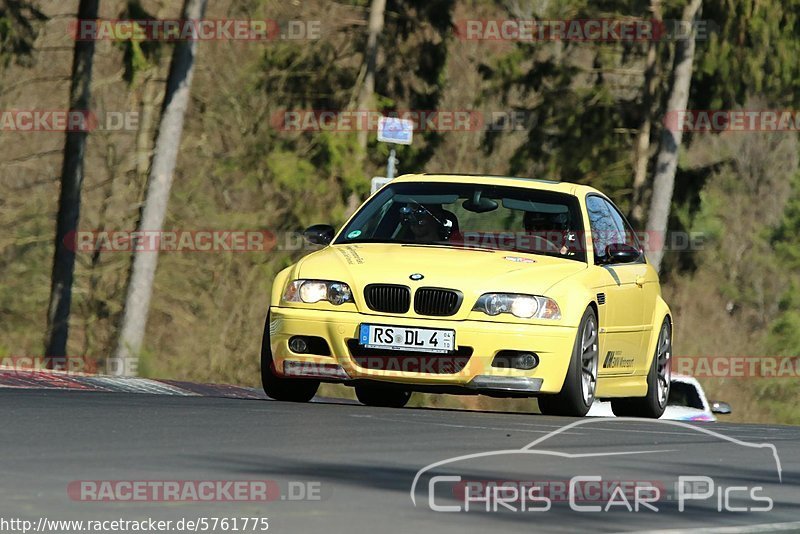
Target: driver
[
  {"x": 549, "y": 227},
  {"x": 427, "y": 223}
]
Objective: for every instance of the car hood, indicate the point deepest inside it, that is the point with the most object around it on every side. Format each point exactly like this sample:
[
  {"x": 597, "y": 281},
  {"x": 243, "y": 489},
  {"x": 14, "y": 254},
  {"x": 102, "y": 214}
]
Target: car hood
[{"x": 471, "y": 271}]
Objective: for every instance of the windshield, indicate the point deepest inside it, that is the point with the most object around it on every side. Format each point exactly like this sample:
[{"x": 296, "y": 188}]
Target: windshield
[{"x": 475, "y": 216}]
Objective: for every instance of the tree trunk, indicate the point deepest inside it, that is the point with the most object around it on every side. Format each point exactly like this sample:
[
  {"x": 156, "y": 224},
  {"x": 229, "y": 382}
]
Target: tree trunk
[
  {"x": 148, "y": 113},
  {"x": 69, "y": 202},
  {"x": 377, "y": 13},
  {"x": 140, "y": 285},
  {"x": 642, "y": 157},
  {"x": 667, "y": 161}
]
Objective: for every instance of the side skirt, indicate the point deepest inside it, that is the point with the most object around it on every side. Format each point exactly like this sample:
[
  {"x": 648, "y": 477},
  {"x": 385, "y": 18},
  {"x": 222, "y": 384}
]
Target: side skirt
[{"x": 621, "y": 386}]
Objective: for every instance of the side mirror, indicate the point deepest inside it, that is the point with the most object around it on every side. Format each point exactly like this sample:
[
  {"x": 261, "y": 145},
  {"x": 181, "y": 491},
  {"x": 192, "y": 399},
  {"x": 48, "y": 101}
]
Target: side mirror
[
  {"x": 320, "y": 234},
  {"x": 622, "y": 253},
  {"x": 720, "y": 407}
]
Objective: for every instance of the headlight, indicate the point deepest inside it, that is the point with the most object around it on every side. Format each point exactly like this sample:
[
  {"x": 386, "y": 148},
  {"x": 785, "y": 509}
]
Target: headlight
[
  {"x": 522, "y": 306},
  {"x": 312, "y": 291}
]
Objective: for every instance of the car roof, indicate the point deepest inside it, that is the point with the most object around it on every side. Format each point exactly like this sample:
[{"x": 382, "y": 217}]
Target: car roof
[{"x": 508, "y": 181}]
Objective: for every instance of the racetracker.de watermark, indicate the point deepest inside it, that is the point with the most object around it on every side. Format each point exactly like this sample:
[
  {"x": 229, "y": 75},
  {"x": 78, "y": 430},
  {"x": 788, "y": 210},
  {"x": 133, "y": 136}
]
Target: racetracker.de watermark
[
  {"x": 172, "y": 30},
  {"x": 104, "y": 241},
  {"x": 582, "y": 30},
  {"x": 578, "y": 241},
  {"x": 442, "y": 120},
  {"x": 171, "y": 241},
  {"x": 737, "y": 366},
  {"x": 62, "y": 120},
  {"x": 27, "y": 366},
  {"x": 739, "y": 120},
  {"x": 193, "y": 491}
]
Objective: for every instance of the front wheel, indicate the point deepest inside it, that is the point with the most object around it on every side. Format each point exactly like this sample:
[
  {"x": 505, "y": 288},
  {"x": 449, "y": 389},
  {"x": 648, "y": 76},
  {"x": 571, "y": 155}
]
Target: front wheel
[
  {"x": 278, "y": 387},
  {"x": 577, "y": 393},
  {"x": 383, "y": 397},
  {"x": 654, "y": 403}
]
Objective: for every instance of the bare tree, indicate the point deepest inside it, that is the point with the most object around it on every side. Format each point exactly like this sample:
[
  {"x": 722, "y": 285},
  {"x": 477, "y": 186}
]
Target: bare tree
[
  {"x": 642, "y": 155},
  {"x": 69, "y": 201},
  {"x": 140, "y": 285},
  {"x": 377, "y": 12},
  {"x": 667, "y": 162}
]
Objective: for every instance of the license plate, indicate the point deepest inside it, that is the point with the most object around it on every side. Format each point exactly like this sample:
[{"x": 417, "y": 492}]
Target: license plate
[{"x": 402, "y": 338}]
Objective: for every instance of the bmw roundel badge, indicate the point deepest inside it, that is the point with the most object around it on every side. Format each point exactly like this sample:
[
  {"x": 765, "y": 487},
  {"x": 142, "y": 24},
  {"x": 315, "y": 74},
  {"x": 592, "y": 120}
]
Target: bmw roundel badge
[{"x": 416, "y": 277}]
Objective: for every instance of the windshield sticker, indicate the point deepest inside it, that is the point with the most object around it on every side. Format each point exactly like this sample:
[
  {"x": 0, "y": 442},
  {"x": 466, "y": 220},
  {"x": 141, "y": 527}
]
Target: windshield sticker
[{"x": 354, "y": 234}]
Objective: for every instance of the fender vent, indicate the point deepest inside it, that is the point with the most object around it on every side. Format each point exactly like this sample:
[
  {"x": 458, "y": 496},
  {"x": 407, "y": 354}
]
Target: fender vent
[{"x": 601, "y": 298}]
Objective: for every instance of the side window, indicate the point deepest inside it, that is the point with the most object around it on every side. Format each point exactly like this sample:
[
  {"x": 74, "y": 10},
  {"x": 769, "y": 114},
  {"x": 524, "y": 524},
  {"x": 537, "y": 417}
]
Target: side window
[{"x": 608, "y": 226}]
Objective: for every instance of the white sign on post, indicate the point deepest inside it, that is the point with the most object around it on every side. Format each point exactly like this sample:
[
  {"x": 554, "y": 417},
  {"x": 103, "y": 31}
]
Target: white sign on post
[
  {"x": 378, "y": 182},
  {"x": 394, "y": 130}
]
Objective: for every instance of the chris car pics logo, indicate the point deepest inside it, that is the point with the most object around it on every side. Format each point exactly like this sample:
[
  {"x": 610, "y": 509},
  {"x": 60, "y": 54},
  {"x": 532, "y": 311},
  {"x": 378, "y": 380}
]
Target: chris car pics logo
[{"x": 580, "y": 487}]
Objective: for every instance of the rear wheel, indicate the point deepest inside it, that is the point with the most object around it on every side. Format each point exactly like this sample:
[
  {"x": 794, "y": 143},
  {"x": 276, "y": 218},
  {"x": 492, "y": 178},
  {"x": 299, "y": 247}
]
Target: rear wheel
[
  {"x": 280, "y": 388},
  {"x": 653, "y": 404},
  {"x": 383, "y": 397},
  {"x": 580, "y": 384}
]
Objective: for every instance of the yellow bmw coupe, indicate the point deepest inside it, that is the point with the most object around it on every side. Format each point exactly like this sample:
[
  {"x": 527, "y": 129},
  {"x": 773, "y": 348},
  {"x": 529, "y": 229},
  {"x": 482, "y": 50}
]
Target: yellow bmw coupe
[{"x": 500, "y": 286}]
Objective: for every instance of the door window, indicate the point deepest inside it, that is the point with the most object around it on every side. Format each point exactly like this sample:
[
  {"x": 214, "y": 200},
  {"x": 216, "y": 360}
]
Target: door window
[{"x": 608, "y": 227}]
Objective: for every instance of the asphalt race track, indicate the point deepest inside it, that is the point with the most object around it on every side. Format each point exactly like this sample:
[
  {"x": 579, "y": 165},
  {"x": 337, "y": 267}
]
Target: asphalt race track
[{"x": 359, "y": 463}]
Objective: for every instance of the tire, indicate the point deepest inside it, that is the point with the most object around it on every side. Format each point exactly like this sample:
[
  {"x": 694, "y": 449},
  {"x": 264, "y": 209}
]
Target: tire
[
  {"x": 382, "y": 397},
  {"x": 653, "y": 404},
  {"x": 280, "y": 388},
  {"x": 577, "y": 393}
]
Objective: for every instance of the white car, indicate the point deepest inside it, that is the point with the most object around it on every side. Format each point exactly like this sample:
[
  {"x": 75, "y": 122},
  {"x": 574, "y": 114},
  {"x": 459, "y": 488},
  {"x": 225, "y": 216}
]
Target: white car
[{"x": 687, "y": 402}]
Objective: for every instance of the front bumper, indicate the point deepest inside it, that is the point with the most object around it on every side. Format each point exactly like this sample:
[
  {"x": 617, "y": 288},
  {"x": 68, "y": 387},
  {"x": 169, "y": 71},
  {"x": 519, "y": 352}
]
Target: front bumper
[{"x": 552, "y": 344}]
